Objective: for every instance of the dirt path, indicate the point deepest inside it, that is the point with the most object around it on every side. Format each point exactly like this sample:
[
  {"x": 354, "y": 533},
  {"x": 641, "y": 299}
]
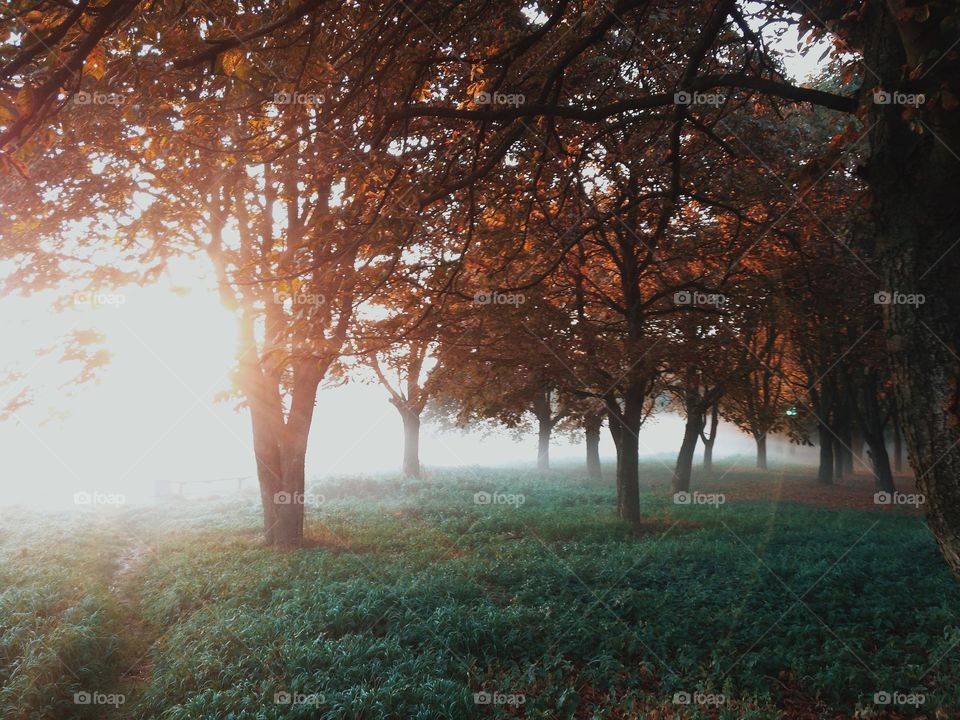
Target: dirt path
[{"x": 139, "y": 637}]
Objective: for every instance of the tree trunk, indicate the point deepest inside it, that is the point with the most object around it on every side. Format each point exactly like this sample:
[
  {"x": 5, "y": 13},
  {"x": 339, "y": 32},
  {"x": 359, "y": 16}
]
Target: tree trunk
[
  {"x": 684, "y": 467},
  {"x": 915, "y": 192},
  {"x": 840, "y": 412},
  {"x": 543, "y": 447},
  {"x": 266, "y": 450},
  {"x": 837, "y": 459},
  {"x": 883, "y": 477},
  {"x": 897, "y": 445},
  {"x": 287, "y": 531},
  {"x": 591, "y": 427},
  {"x": 846, "y": 454},
  {"x": 857, "y": 448},
  {"x": 628, "y": 473},
  {"x": 825, "y": 471},
  {"x": 871, "y": 419},
  {"x": 761, "y": 451},
  {"x": 279, "y": 446},
  {"x": 411, "y": 443},
  {"x": 709, "y": 438},
  {"x": 616, "y": 434},
  {"x": 543, "y": 412},
  {"x": 628, "y": 461}
]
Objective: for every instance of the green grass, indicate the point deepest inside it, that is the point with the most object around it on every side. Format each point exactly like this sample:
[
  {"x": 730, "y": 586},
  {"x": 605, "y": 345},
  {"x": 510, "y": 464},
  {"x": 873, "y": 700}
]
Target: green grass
[{"x": 412, "y": 597}]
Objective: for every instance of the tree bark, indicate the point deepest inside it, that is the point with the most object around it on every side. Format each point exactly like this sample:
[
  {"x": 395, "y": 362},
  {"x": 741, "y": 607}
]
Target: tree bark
[
  {"x": 857, "y": 448},
  {"x": 847, "y": 452},
  {"x": 280, "y": 445},
  {"x": 915, "y": 192},
  {"x": 684, "y": 467},
  {"x": 287, "y": 531},
  {"x": 709, "y": 438},
  {"x": 544, "y": 414},
  {"x": 628, "y": 470},
  {"x": 266, "y": 450},
  {"x": 411, "y": 443},
  {"x": 627, "y": 439},
  {"x": 761, "y": 451},
  {"x": 837, "y": 459},
  {"x": 616, "y": 434},
  {"x": 883, "y": 477},
  {"x": 897, "y": 445},
  {"x": 591, "y": 428},
  {"x": 543, "y": 447},
  {"x": 825, "y": 471},
  {"x": 871, "y": 418}
]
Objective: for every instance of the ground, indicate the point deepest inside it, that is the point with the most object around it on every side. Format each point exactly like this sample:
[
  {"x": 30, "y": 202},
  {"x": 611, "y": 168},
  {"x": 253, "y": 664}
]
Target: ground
[{"x": 786, "y": 600}]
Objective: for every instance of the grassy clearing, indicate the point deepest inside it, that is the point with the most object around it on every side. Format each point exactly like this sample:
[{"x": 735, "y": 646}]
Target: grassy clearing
[{"x": 412, "y": 598}]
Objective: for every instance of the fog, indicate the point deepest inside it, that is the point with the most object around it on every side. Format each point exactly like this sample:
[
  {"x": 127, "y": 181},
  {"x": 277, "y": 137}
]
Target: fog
[{"x": 151, "y": 420}]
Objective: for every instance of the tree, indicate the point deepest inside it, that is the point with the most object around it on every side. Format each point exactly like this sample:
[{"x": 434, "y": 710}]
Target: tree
[
  {"x": 592, "y": 423},
  {"x": 431, "y": 81},
  {"x": 758, "y": 401},
  {"x": 288, "y": 224},
  {"x": 709, "y": 438},
  {"x": 402, "y": 350}
]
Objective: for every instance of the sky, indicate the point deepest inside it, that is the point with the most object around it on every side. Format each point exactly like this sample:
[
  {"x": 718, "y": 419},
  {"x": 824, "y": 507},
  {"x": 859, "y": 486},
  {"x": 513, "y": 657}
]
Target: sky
[{"x": 151, "y": 420}]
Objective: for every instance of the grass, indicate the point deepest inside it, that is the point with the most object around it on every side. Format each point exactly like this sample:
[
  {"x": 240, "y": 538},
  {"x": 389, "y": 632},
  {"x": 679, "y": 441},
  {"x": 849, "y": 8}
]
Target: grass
[{"x": 411, "y": 598}]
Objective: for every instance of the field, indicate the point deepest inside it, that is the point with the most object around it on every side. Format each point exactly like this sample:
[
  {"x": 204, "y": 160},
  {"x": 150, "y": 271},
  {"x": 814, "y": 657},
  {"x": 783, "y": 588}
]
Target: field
[{"x": 412, "y": 597}]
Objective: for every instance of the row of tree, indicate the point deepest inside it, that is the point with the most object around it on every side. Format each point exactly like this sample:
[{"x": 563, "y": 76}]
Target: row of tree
[{"x": 605, "y": 205}]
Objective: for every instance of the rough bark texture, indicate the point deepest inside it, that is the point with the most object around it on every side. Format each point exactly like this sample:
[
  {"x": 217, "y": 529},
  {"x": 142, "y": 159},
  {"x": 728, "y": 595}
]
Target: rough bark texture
[{"x": 915, "y": 190}]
